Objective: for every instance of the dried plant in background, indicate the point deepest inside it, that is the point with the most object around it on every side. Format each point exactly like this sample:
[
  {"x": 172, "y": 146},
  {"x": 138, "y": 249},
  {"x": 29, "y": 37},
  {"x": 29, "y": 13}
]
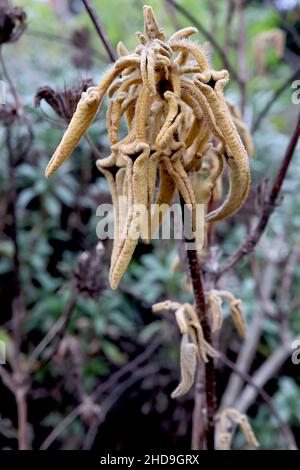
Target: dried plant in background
[
  {"x": 204, "y": 169},
  {"x": 12, "y": 22},
  {"x": 214, "y": 300}
]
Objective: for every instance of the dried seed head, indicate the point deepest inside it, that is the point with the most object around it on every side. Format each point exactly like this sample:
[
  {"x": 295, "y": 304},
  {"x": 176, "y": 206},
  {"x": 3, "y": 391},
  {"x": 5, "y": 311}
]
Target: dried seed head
[
  {"x": 188, "y": 363},
  {"x": 12, "y": 23}
]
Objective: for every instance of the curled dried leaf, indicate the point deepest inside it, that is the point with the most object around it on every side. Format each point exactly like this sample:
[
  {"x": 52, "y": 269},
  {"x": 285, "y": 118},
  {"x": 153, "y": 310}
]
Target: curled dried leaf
[{"x": 188, "y": 363}]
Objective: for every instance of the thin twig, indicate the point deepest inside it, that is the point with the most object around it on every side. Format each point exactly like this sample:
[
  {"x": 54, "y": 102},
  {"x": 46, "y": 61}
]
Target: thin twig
[
  {"x": 242, "y": 53},
  {"x": 288, "y": 273},
  {"x": 228, "y": 24},
  {"x": 268, "y": 207},
  {"x": 266, "y": 372},
  {"x": 63, "y": 39},
  {"x": 46, "y": 340},
  {"x": 100, "y": 30},
  {"x": 263, "y": 289},
  {"x": 62, "y": 425},
  {"x": 18, "y": 105},
  {"x": 126, "y": 369},
  {"x": 213, "y": 16}
]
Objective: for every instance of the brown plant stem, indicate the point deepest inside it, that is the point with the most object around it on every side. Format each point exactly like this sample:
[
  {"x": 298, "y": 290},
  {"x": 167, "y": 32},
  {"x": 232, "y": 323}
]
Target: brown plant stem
[
  {"x": 268, "y": 207},
  {"x": 200, "y": 305},
  {"x": 100, "y": 30}
]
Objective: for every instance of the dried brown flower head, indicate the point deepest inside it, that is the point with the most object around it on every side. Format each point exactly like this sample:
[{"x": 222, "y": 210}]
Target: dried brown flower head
[
  {"x": 82, "y": 57},
  {"x": 225, "y": 419},
  {"x": 173, "y": 105}
]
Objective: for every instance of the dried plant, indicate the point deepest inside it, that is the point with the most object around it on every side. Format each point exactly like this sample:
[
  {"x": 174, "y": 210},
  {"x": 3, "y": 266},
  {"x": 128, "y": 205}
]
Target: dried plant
[
  {"x": 214, "y": 300},
  {"x": 12, "y": 22},
  {"x": 228, "y": 416},
  {"x": 172, "y": 122},
  {"x": 193, "y": 343}
]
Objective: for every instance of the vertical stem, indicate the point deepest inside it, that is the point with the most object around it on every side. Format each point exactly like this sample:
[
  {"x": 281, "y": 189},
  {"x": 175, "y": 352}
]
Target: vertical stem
[{"x": 200, "y": 305}]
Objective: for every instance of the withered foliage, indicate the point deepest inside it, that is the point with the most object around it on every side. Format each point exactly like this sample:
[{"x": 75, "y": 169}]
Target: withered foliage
[{"x": 178, "y": 124}]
